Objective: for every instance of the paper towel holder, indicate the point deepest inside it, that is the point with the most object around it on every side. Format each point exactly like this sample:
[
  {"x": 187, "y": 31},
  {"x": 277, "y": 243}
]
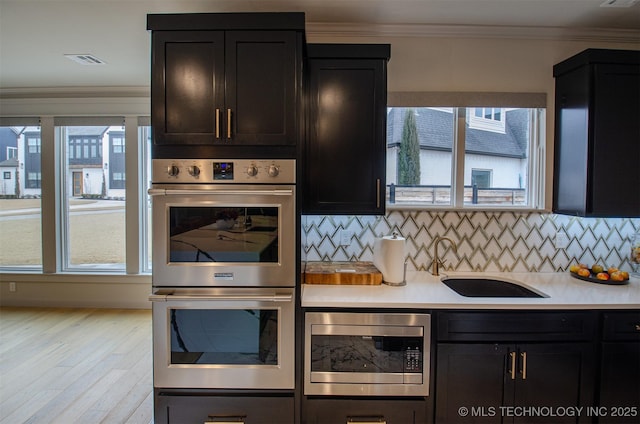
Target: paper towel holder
[
  {"x": 404, "y": 273},
  {"x": 404, "y": 277}
]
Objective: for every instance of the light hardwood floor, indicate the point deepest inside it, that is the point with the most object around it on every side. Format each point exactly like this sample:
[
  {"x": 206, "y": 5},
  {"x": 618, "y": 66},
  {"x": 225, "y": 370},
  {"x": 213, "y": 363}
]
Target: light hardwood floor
[{"x": 75, "y": 366}]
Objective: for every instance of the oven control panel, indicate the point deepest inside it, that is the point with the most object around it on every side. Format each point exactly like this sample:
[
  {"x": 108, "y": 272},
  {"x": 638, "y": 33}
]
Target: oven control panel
[{"x": 224, "y": 171}]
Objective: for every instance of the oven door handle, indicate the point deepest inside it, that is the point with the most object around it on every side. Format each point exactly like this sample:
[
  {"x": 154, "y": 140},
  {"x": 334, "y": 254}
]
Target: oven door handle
[
  {"x": 183, "y": 192},
  {"x": 199, "y": 297}
]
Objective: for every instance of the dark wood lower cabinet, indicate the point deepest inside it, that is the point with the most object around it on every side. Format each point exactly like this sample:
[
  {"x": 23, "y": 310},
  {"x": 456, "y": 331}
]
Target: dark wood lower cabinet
[
  {"x": 364, "y": 410},
  {"x": 186, "y": 408},
  {"x": 620, "y": 368},
  {"x": 519, "y": 383}
]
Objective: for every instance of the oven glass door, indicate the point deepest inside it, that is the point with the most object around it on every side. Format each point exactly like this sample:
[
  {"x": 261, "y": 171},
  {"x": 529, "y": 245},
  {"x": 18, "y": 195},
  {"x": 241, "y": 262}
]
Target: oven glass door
[
  {"x": 224, "y": 236},
  {"x": 224, "y": 339}
]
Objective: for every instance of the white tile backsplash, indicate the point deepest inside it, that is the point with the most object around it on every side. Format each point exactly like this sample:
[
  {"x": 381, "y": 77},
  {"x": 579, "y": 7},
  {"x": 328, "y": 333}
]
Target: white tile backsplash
[{"x": 486, "y": 241}]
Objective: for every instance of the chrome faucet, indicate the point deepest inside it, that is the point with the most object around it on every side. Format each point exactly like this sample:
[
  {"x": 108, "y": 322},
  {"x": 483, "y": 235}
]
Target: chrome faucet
[{"x": 435, "y": 266}]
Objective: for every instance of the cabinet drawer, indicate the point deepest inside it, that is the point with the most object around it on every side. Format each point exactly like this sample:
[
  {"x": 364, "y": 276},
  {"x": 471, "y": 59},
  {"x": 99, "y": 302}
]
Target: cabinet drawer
[
  {"x": 358, "y": 410},
  {"x": 621, "y": 326},
  {"x": 516, "y": 326},
  {"x": 196, "y": 408}
]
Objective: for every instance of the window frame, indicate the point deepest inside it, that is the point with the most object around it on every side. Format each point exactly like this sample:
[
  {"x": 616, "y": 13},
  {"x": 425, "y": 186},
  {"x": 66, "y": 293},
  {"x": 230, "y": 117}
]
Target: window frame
[{"x": 462, "y": 102}]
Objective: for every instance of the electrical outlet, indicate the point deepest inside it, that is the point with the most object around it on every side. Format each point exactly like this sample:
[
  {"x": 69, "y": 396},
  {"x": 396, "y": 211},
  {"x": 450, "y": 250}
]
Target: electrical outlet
[
  {"x": 562, "y": 240},
  {"x": 12, "y": 286},
  {"x": 345, "y": 237}
]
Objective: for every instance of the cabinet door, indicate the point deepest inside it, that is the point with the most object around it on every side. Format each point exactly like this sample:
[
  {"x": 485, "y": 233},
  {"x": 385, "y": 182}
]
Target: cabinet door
[
  {"x": 187, "y": 86},
  {"x": 620, "y": 382},
  {"x": 473, "y": 381},
  {"x": 616, "y": 141},
  {"x": 554, "y": 375},
  {"x": 197, "y": 409},
  {"x": 345, "y": 156},
  {"x": 261, "y": 91},
  {"x": 364, "y": 410}
]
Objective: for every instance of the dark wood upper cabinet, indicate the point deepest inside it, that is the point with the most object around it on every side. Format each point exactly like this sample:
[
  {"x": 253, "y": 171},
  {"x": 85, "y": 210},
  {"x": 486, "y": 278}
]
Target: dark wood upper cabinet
[
  {"x": 344, "y": 155},
  {"x": 597, "y": 134},
  {"x": 219, "y": 80}
]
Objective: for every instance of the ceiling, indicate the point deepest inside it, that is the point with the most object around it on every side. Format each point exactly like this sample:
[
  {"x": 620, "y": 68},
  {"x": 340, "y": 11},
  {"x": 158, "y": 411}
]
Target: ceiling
[{"x": 36, "y": 34}]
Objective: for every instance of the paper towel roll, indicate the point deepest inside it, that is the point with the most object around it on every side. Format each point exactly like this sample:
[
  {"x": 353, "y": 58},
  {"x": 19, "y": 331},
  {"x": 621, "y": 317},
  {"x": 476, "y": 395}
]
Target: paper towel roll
[{"x": 388, "y": 257}]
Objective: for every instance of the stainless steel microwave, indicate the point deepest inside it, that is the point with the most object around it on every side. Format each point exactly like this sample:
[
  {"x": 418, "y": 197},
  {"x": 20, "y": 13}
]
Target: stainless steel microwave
[{"x": 361, "y": 354}]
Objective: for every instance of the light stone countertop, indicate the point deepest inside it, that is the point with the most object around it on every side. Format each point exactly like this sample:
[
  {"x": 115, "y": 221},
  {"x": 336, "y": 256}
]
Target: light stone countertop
[{"x": 425, "y": 291}]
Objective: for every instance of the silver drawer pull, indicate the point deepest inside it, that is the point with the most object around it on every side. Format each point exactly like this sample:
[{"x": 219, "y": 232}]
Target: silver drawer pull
[
  {"x": 239, "y": 298},
  {"x": 366, "y": 420},
  {"x": 225, "y": 420},
  {"x": 637, "y": 327}
]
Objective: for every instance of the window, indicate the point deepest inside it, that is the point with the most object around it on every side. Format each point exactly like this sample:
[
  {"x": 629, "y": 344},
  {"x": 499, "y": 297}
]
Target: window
[
  {"x": 94, "y": 208},
  {"x": 20, "y": 193},
  {"x": 501, "y": 166}
]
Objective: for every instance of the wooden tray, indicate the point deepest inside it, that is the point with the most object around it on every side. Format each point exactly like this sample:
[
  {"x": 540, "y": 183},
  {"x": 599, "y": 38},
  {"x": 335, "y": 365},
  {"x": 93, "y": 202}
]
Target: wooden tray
[
  {"x": 342, "y": 273},
  {"x": 595, "y": 280}
]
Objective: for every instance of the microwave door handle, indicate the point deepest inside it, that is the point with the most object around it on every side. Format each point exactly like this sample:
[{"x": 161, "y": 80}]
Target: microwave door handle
[
  {"x": 182, "y": 192},
  {"x": 245, "y": 298}
]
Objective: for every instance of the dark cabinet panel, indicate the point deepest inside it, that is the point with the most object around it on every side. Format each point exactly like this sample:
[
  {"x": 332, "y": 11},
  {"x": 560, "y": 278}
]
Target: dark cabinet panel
[
  {"x": 620, "y": 368},
  {"x": 261, "y": 87},
  {"x": 226, "y": 87},
  {"x": 597, "y": 134},
  {"x": 462, "y": 383},
  {"x": 198, "y": 408},
  {"x": 360, "y": 410},
  {"x": 345, "y": 154},
  {"x": 187, "y": 86},
  {"x": 490, "y": 363}
]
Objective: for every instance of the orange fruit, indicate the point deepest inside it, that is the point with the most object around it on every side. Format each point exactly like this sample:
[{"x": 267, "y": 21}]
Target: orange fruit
[
  {"x": 625, "y": 275},
  {"x": 612, "y": 269},
  {"x": 617, "y": 276},
  {"x": 602, "y": 276},
  {"x": 584, "y": 272}
]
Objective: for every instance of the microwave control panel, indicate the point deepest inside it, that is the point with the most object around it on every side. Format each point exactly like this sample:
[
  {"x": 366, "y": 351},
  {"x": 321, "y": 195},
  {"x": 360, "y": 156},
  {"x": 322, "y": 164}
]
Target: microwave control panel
[{"x": 412, "y": 360}]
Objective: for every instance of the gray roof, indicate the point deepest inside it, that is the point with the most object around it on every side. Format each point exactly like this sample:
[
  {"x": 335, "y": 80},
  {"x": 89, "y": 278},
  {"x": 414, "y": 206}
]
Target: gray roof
[
  {"x": 9, "y": 163},
  {"x": 435, "y": 129},
  {"x": 88, "y": 131}
]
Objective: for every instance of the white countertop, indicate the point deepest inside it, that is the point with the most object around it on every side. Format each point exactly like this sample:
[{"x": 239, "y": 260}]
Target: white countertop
[{"x": 425, "y": 291}]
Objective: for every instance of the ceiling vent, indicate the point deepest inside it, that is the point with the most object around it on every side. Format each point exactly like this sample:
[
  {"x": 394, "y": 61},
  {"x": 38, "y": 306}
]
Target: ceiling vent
[
  {"x": 85, "y": 59},
  {"x": 619, "y": 3}
]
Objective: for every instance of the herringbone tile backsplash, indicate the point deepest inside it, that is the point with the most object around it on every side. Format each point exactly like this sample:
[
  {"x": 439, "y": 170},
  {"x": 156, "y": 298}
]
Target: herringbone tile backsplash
[{"x": 486, "y": 241}]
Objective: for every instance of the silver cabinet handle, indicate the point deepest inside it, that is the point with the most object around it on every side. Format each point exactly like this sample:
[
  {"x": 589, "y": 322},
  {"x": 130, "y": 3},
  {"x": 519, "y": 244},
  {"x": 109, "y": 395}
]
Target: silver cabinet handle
[
  {"x": 229, "y": 123},
  {"x": 366, "y": 420},
  {"x": 240, "y": 298},
  {"x": 217, "y": 123},
  {"x": 513, "y": 365},
  {"x": 166, "y": 192},
  {"x": 225, "y": 420},
  {"x": 524, "y": 365}
]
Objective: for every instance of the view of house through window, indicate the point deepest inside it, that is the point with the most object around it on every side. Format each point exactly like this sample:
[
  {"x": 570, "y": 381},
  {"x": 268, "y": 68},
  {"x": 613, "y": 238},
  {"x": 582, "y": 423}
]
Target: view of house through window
[
  {"x": 20, "y": 212},
  {"x": 500, "y": 160},
  {"x": 94, "y": 195}
]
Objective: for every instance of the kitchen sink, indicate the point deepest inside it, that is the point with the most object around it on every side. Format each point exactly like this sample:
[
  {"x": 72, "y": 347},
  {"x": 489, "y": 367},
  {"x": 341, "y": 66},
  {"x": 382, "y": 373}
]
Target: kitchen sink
[{"x": 487, "y": 287}]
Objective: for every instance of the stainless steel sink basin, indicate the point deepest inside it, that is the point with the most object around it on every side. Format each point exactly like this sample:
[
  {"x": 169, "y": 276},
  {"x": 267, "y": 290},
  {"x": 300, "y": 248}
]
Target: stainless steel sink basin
[{"x": 487, "y": 287}]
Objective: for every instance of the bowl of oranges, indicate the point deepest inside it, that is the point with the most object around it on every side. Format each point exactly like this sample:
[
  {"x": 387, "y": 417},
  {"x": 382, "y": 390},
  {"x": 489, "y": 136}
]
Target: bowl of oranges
[{"x": 599, "y": 274}]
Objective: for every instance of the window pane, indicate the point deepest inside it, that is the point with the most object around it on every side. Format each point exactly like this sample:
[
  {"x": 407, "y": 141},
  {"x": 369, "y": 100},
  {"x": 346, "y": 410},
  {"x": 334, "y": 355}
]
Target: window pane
[
  {"x": 20, "y": 210},
  {"x": 496, "y": 162},
  {"x": 419, "y": 155},
  {"x": 94, "y": 214}
]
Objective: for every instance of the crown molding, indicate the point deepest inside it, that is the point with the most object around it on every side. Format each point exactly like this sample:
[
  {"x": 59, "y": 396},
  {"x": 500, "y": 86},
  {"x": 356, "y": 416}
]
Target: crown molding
[
  {"x": 320, "y": 29},
  {"x": 74, "y": 92}
]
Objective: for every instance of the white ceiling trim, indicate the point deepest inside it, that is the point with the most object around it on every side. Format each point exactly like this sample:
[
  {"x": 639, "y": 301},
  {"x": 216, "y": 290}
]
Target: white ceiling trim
[{"x": 321, "y": 29}]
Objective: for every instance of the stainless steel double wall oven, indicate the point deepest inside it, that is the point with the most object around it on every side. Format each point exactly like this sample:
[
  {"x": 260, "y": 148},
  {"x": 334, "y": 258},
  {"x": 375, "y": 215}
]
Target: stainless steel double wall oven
[{"x": 224, "y": 273}]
